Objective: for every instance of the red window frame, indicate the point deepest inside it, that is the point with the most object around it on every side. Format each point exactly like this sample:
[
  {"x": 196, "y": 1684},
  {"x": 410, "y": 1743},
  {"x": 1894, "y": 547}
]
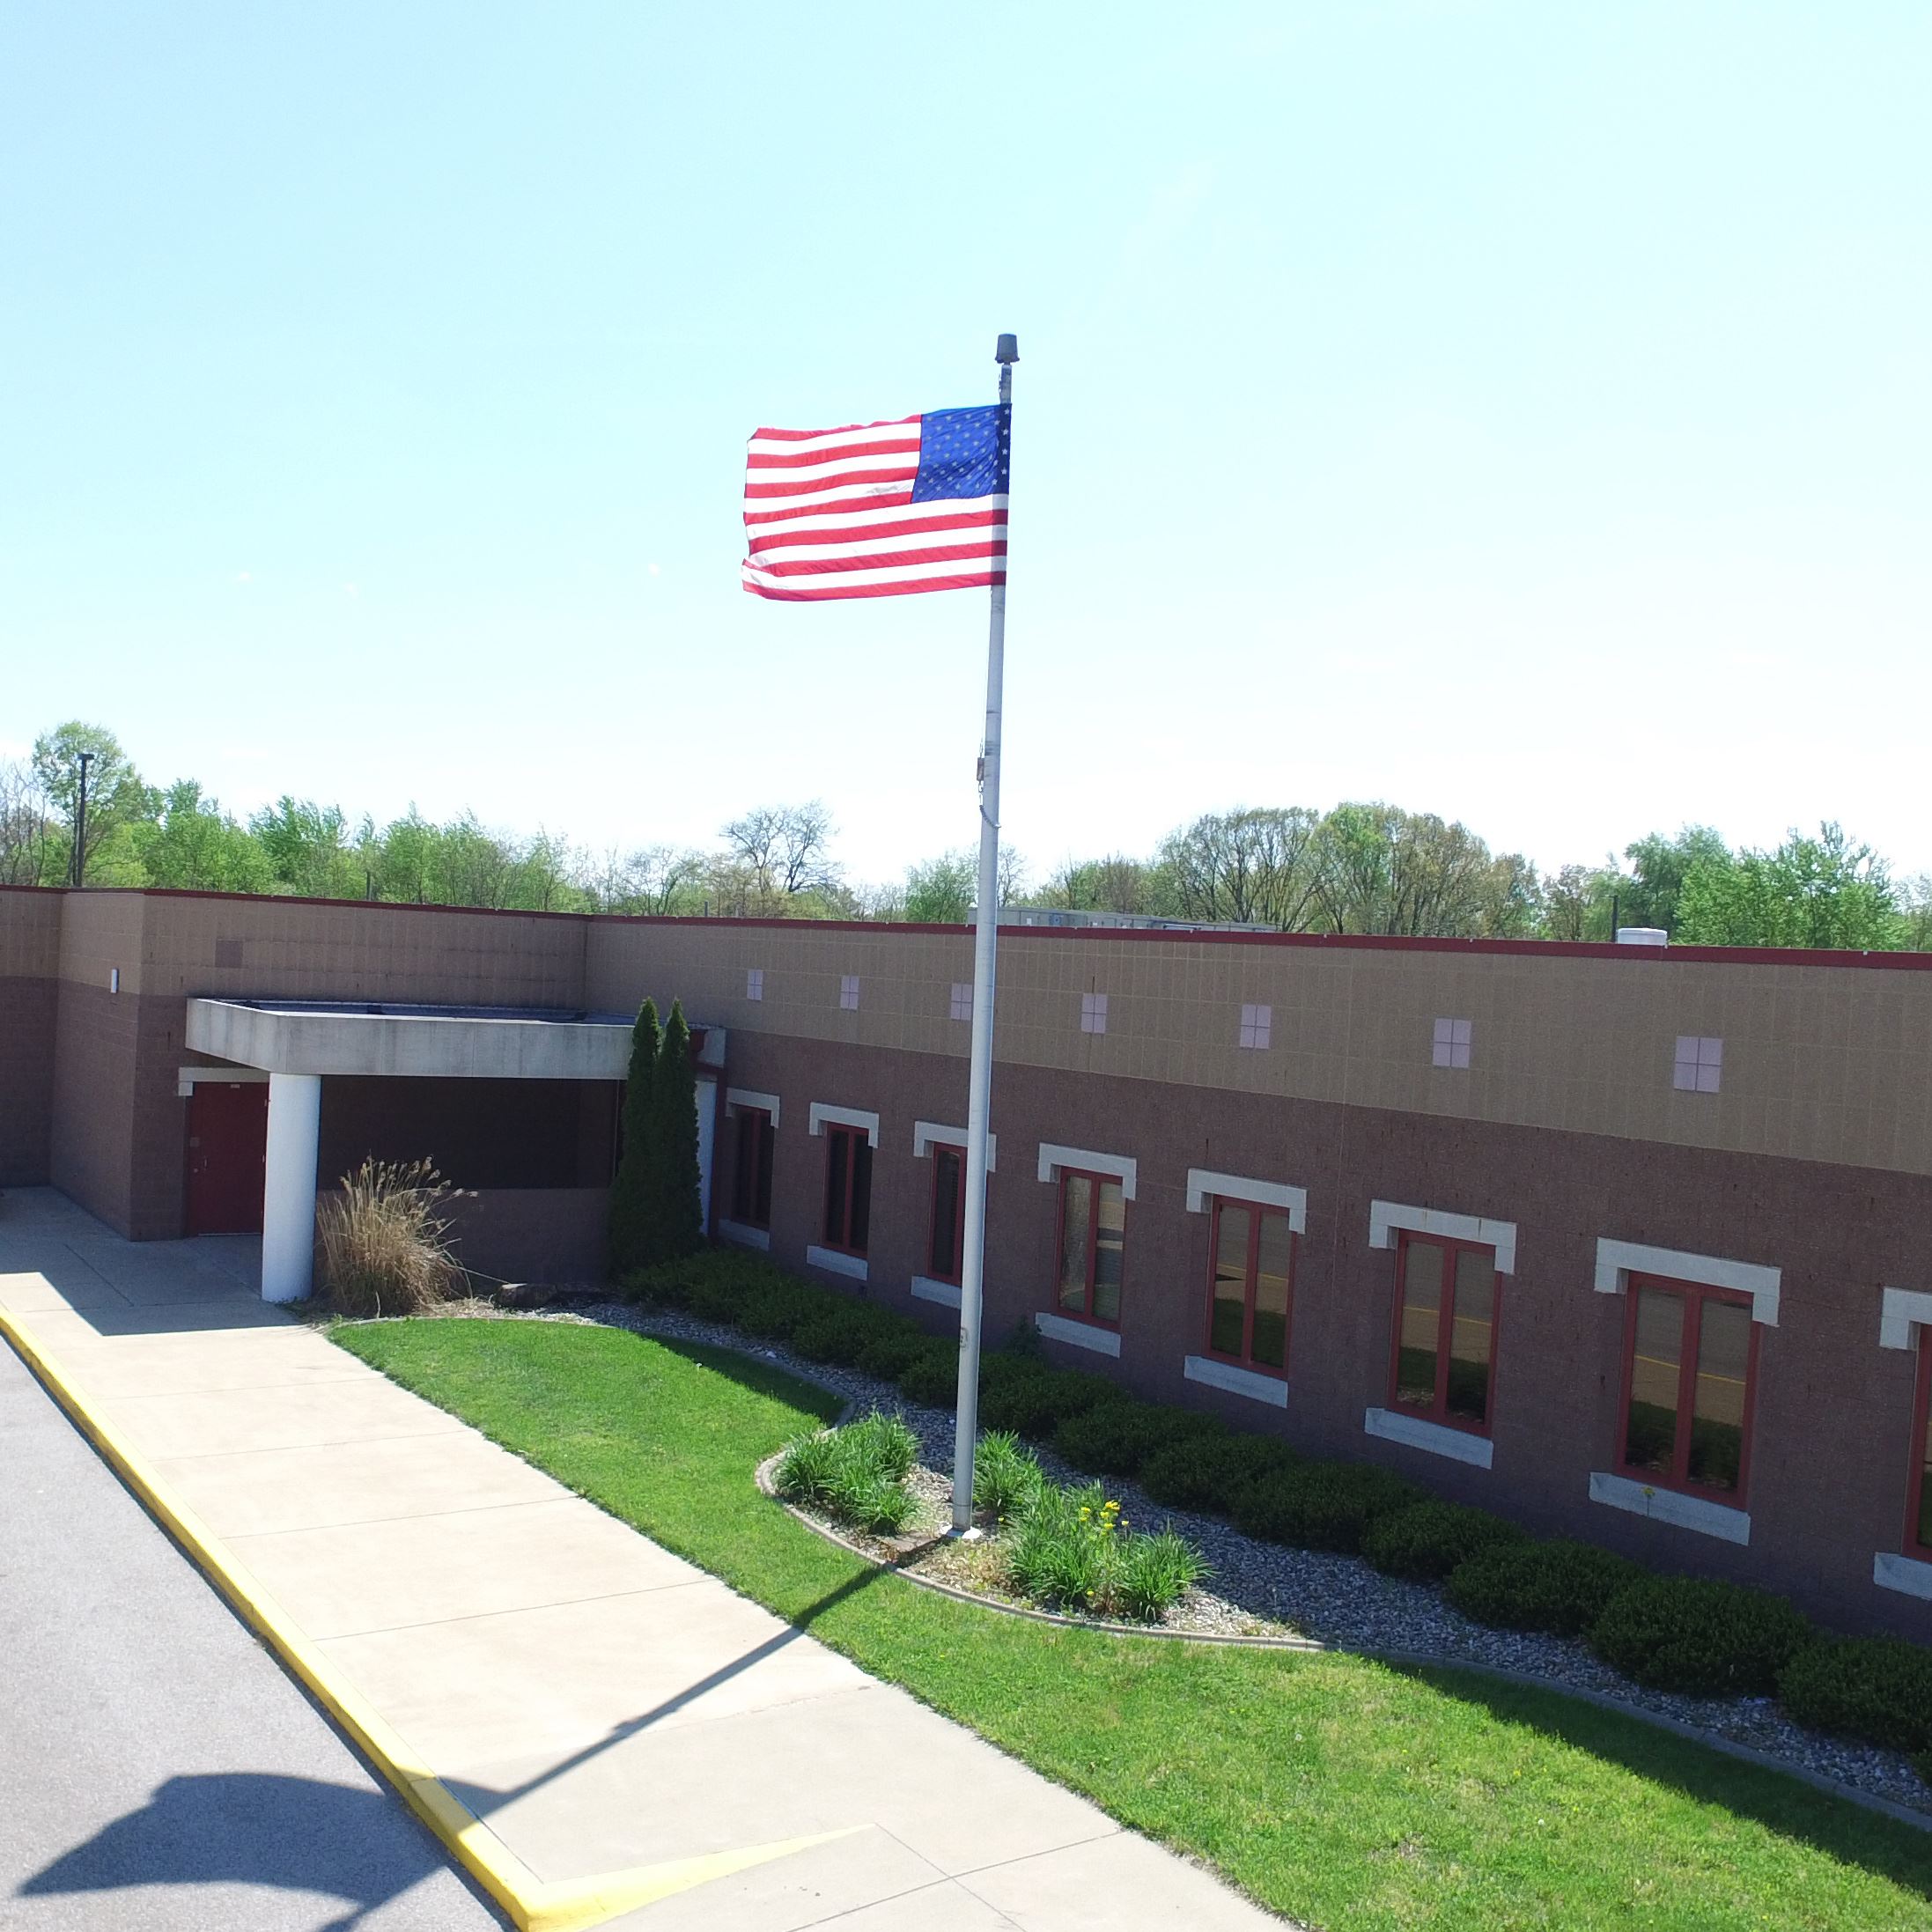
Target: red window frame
[
  {"x": 1097, "y": 1182},
  {"x": 945, "y": 1150},
  {"x": 750, "y": 1127},
  {"x": 858, "y": 1154},
  {"x": 1694, "y": 1294},
  {"x": 1255, "y": 1210},
  {"x": 1921, "y": 1452},
  {"x": 1439, "y": 1409}
]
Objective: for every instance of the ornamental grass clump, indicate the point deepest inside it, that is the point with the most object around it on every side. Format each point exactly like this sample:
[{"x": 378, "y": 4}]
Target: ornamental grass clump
[
  {"x": 857, "y": 1474},
  {"x": 1005, "y": 1475},
  {"x": 384, "y": 1249},
  {"x": 1072, "y": 1550}
]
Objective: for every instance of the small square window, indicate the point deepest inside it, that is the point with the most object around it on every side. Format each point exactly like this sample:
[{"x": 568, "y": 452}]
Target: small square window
[
  {"x": 848, "y": 993},
  {"x": 1093, "y": 1012},
  {"x": 1256, "y": 1024},
  {"x": 1699, "y": 1065},
  {"x": 1451, "y": 1047},
  {"x": 755, "y": 982},
  {"x": 962, "y": 1000}
]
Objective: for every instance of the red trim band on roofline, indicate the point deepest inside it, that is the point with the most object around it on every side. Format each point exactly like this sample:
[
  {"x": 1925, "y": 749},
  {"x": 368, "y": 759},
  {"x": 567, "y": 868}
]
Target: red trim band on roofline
[{"x": 1683, "y": 956}]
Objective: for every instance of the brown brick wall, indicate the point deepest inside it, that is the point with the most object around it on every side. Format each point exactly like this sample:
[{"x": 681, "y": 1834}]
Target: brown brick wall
[
  {"x": 1829, "y": 1443},
  {"x": 27, "y": 1010}
]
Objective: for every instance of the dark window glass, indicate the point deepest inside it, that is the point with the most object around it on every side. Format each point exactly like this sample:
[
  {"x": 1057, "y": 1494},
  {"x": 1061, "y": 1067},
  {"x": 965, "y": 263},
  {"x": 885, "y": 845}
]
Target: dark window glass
[
  {"x": 767, "y": 1137},
  {"x": 1657, "y": 1364},
  {"x": 751, "y": 1167},
  {"x": 1228, "y": 1318},
  {"x": 1717, "y": 1417},
  {"x": 837, "y": 1173},
  {"x": 1076, "y": 1215},
  {"x": 948, "y": 1213},
  {"x": 1923, "y": 1528},
  {"x": 1472, "y": 1335},
  {"x": 1110, "y": 1250},
  {"x": 1421, "y": 1323},
  {"x": 859, "y": 1223},
  {"x": 1688, "y": 1397},
  {"x": 1274, "y": 1259}
]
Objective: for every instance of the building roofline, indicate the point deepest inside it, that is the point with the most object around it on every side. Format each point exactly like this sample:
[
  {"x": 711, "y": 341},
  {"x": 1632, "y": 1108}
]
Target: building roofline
[{"x": 1114, "y": 935}]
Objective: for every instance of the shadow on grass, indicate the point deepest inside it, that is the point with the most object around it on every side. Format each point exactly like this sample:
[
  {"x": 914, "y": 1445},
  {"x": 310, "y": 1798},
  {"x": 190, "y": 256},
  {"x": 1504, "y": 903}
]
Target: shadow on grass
[
  {"x": 1886, "y": 1846},
  {"x": 749, "y": 1371}
]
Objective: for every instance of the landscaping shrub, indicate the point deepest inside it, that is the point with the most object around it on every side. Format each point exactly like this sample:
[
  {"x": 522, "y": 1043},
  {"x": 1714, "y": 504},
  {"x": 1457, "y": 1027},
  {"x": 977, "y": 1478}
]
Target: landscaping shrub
[
  {"x": 777, "y": 1311},
  {"x": 932, "y": 1377},
  {"x": 1923, "y": 1764},
  {"x": 890, "y": 1352},
  {"x": 677, "y": 1211},
  {"x": 1073, "y": 1550},
  {"x": 1113, "y": 1438},
  {"x": 833, "y": 1334},
  {"x": 1322, "y": 1506},
  {"x": 1428, "y": 1539},
  {"x": 1154, "y": 1572},
  {"x": 1020, "y": 1391},
  {"x": 633, "y": 1236},
  {"x": 383, "y": 1250},
  {"x": 857, "y": 1473},
  {"x": 1208, "y": 1473},
  {"x": 1875, "y": 1688},
  {"x": 1704, "y": 1638},
  {"x": 1006, "y": 1476},
  {"x": 1558, "y": 1586}
]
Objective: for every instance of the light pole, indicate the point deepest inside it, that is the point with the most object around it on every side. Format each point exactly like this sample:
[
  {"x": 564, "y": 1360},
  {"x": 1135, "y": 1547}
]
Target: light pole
[{"x": 77, "y": 862}]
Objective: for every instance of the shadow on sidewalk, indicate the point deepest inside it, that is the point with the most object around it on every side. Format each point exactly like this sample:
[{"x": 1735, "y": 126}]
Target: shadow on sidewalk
[{"x": 254, "y": 1828}]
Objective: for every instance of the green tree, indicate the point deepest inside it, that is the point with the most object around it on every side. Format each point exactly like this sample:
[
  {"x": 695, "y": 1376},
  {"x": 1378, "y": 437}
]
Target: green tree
[
  {"x": 941, "y": 892},
  {"x": 632, "y": 1206},
  {"x": 680, "y": 1217},
  {"x": 308, "y": 849},
  {"x": 1823, "y": 892},
  {"x": 192, "y": 843},
  {"x": 1648, "y": 895},
  {"x": 116, "y": 796}
]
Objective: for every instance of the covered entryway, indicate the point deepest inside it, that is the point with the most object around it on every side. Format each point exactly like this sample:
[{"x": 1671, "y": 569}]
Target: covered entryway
[{"x": 227, "y": 1145}]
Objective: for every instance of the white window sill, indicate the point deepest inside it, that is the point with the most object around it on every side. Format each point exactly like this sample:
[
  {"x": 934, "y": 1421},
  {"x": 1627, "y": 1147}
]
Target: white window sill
[
  {"x": 745, "y": 1237},
  {"x": 833, "y": 1262},
  {"x": 1435, "y": 1438},
  {"x": 1671, "y": 1506},
  {"x": 1057, "y": 1328},
  {"x": 1236, "y": 1382},
  {"x": 1906, "y": 1574},
  {"x": 945, "y": 1293}
]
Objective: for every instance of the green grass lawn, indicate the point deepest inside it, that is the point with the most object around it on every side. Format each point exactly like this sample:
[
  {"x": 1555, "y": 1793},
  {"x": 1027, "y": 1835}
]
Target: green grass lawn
[{"x": 1345, "y": 1792}]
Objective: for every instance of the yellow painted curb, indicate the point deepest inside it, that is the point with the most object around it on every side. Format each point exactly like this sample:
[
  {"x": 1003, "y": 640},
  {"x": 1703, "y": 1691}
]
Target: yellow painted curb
[{"x": 534, "y": 1904}]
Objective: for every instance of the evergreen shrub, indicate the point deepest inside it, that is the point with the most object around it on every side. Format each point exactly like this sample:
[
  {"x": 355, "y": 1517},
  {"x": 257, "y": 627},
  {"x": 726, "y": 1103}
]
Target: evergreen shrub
[
  {"x": 1559, "y": 1585},
  {"x": 932, "y": 1377},
  {"x": 1115, "y": 1437},
  {"x": 1322, "y": 1506},
  {"x": 1428, "y": 1540},
  {"x": 1207, "y": 1472},
  {"x": 1875, "y": 1688},
  {"x": 1704, "y": 1638}
]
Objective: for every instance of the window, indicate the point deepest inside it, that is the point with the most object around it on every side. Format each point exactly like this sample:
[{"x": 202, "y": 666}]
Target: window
[
  {"x": 1093, "y": 1241},
  {"x": 1445, "y": 1338},
  {"x": 755, "y": 982},
  {"x": 963, "y": 1000},
  {"x": 848, "y": 993},
  {"x": 1689, "y": 1356},
  {"x": 751, "y": 1170},
  {"x": 1451, "y": 1048},
  {"x": 946, "y": 1246},
  {"x": 1699, "y": 1065},
  {"x": 848, "y": 1189},
  {"x": 1093, "y": 1012},
  {"x": 1257, "y": 1023},
  {"x": 1919, "y": 1509},
  {"x": 1253, "y": 1251}
]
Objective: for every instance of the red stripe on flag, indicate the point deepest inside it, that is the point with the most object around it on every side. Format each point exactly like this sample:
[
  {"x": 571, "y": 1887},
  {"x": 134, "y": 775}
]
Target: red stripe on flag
[
  {"x": 863, "y": 533},
  {"x": 845, "y": 429},
  {"x": 806, "y": 486},
  {"x": 885, "y": 560},
  {"x": 890, "y": 499},
  {"x": 827, "y": 593},
  {"x": 804, "y": 458}
]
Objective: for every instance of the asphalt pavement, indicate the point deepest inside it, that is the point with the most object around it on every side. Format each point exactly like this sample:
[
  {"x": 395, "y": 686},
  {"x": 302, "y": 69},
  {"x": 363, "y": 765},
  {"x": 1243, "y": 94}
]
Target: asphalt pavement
[{"x": 158, "y": 1771}]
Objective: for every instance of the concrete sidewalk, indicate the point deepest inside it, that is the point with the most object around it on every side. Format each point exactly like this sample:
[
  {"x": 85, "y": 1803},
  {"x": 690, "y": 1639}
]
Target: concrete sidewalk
[{"x": 624, "y": 1726}]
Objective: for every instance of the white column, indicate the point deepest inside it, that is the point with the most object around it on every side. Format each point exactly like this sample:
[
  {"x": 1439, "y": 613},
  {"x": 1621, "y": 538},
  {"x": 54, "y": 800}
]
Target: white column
[{"x": 288, "y": 1193}]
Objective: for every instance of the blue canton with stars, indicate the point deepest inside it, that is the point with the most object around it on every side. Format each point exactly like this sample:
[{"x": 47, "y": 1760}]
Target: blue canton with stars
[{"x": 964, "y": 452}]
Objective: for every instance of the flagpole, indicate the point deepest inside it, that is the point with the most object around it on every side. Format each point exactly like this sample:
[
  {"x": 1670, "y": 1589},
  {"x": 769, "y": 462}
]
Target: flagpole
[{"x": 980, "y": 1090}]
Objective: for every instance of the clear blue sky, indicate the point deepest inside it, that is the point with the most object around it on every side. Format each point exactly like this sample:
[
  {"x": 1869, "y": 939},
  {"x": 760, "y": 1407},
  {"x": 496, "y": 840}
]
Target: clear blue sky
[{"x": 1517, "y": 411}]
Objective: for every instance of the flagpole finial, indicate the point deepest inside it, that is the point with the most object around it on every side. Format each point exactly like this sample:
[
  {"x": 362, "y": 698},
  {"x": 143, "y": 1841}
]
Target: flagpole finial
[{"x": 1008, "y": 349}]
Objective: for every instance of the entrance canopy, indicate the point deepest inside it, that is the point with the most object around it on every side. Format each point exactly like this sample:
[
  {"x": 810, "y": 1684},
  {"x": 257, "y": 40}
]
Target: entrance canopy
[{"x": 432, "y": 1042}]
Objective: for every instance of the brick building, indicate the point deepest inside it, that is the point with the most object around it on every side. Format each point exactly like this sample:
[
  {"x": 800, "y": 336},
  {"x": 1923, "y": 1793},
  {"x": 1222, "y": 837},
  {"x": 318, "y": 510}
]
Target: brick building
[{"x": 1633, "y": 1243}]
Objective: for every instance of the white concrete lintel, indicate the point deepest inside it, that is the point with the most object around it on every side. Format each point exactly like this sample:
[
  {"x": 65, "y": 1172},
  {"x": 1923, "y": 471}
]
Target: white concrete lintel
[
  {"x": 1116, "y": 1167},
  {"x": 1671, "y": 1506},
  {"x": 1435, "y": 1438},
  {"x": 1203, "y": 1184},
  {"x": 1385, "y": 1217},
  {"x": 836, "y": 1261},
  {"x": 743, "y": 1236},
  {"x": 925, "y": 1132},
  {"x": 823, "y": 1115},
  {"x": 751, "y": 1102},
  {"x": 1057, "y": 1328},
  {"x": 1618, "y": 1260},
  {"x": 1236, "y": 1380},
  {"x": 945, "y": 1294},
  {"x": 1901, "y": 1310},
  {"x": 186, "y": 1079},
  {"x": 1906, "y": 1574}
]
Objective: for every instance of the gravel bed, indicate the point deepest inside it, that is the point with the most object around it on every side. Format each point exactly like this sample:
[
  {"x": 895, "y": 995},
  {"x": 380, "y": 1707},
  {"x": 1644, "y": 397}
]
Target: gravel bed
[{"x": 1339, "y": 1600}]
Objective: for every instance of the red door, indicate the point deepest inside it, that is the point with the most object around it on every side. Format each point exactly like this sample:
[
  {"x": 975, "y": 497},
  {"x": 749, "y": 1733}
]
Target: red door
[{"x": 227, "y": 1144}]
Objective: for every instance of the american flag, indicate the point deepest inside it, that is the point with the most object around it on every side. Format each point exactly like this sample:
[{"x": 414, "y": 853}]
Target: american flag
[{"x": 879, "y": 509}]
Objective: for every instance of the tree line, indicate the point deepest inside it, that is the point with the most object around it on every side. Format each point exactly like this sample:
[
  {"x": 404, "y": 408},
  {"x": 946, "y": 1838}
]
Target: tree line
[{"x": 1357, "y": 868}]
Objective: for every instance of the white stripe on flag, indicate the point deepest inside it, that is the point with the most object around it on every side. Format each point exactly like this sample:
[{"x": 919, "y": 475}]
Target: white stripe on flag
[{"x": 903, "y": 574}]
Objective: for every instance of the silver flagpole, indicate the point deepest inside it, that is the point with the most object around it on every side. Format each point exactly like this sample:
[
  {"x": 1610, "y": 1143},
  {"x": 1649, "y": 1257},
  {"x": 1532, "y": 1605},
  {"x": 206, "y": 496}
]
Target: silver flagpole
[{"x": 979, "y": 1092}]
